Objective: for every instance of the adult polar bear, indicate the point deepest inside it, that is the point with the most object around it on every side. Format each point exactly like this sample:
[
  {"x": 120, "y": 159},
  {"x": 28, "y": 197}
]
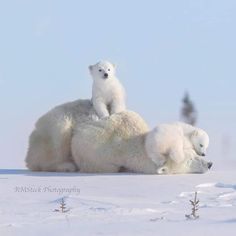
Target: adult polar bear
[
  {"x": 120, "y": 141},
  {"x": 97, "y": 146}
]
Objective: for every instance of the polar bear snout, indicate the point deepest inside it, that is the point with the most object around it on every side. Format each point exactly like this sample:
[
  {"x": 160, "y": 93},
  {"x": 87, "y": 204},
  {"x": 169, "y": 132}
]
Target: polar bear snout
[
  {"x": 105, "y": 76},
  {"x": 209, "y": 165},
  {"x": 203, "y": 154}
]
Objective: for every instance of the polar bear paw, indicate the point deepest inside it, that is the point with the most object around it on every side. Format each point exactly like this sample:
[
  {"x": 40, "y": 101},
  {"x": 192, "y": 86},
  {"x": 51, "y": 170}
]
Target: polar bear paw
[{"x": 164, "y": 170}]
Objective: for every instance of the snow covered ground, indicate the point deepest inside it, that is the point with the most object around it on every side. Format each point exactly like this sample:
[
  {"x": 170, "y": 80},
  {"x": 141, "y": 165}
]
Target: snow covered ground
[{"x": 116, "y": 204}]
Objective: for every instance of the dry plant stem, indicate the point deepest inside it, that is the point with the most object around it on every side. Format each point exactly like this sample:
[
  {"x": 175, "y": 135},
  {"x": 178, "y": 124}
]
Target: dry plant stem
[
  {"x": 194, "y": 204},
  {"x": 63, "y": 205}
]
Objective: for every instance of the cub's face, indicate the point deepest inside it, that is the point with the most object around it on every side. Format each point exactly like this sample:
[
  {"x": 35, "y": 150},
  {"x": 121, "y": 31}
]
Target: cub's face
[
  {"x": 200, "y": 141},
  {"x": 191, "y": 165},
  {"x": 102, "y": 71}
]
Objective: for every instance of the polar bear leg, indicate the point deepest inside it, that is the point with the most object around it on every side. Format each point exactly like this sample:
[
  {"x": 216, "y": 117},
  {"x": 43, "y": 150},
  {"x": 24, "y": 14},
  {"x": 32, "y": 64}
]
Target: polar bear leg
[
  {"x": 66, "y": 167},
  {"x": 190, "y": 153},
  {"x": 160, "y": 159},
  {"x": 117, "y": 106},
  {"x": 177, "y": 153},
  {"x": 101, "y": 108}
]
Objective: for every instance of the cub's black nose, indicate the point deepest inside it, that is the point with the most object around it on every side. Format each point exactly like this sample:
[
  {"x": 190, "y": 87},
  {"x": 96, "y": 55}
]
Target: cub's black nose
[
  {"x": 203, "y": 154},
  {"x": 209, "y": 165},
  {"x": 105, "y": 75}
]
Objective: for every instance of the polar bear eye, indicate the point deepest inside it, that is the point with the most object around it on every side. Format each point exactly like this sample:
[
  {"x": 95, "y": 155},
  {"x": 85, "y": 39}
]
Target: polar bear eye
[
  {"x": 201, "y": 145},
  {"x": 108, "y": 69},
  {"x": 100, "y": 70}
]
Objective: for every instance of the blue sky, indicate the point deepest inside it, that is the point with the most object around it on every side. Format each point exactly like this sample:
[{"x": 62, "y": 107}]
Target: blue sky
[{"x": 161, "y": 48}]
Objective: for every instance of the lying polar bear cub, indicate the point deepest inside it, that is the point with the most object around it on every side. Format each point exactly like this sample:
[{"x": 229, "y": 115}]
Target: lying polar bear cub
[
  {"x": 119, "y": 141},
  {"x": 108, "y": 94},
  {"x": 174, "y": 141}
]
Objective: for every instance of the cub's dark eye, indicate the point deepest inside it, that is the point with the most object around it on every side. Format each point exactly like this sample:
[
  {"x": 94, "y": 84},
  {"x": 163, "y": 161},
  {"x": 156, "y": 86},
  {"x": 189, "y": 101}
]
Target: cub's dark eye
[
  {"x": 201, "y": 145},
  {"x": 108, "y": 69},
  {"x": 100, "y": 70}
]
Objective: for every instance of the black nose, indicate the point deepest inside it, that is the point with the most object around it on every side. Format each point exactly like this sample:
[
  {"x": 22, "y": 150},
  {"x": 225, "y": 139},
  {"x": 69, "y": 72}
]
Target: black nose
[
  {"x": 203, "y": 154},
  {"x": 209, "y": 165},
  {"x": 105, "y": 75}
]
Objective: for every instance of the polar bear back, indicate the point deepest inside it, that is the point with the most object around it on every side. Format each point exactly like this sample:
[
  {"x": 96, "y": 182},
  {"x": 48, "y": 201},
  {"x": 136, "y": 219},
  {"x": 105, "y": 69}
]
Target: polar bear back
[{"x": 111, "y": 143}]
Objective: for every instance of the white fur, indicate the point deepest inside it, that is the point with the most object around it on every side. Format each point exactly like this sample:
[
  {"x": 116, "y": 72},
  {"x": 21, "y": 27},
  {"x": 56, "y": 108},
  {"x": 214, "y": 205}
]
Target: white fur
[
  {"x": 50, "y": 141},
  {"x": 118, "y": 142},
  {"x": 69, "y": 138},
  {"x": 198, "y": 138},
  {"x": 192, "y": 163},
  {"x": 173, "y": 140},
  {"x": 108, "y": 95}
]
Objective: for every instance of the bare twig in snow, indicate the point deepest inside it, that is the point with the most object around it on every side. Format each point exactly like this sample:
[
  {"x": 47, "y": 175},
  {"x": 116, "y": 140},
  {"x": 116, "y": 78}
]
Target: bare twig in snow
[
  {"x": 194, "y": 204},
  {"x": 62, "y": 207}
]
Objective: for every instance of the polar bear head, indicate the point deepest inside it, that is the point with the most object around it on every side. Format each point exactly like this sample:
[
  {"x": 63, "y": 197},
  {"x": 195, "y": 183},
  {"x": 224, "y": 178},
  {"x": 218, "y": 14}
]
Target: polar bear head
[
  {"x": 191, "y": 165},
  {"x": 200, "y": 141},
  {"x": 102, "y": 71}
]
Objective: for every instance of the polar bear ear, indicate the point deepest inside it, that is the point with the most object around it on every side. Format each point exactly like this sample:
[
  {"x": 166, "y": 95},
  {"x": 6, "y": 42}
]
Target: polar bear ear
[
  {"x": 162, "y": 170},
  {"x": 195, "y": 133},
  {"x": 90, "y": 68},
  {"x": 114, "y": 66}
]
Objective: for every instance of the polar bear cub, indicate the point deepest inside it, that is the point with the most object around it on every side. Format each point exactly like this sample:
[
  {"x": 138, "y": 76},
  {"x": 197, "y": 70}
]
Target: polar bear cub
[
  {"x": 197, "y": 138},
  {"x": 172, "y": 140},
  {"x": 108, "y": 94}
]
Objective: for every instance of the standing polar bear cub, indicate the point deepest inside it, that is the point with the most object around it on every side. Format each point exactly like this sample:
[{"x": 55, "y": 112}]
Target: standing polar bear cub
[
  {"x": 174, "y": 140},
  {"x": 108, "y": 94}
]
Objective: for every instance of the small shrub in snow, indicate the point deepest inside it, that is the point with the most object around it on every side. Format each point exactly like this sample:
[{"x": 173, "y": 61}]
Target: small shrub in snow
[
  {"x": 62, "y": 207},
  {"x": 194, "y": 204}
]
